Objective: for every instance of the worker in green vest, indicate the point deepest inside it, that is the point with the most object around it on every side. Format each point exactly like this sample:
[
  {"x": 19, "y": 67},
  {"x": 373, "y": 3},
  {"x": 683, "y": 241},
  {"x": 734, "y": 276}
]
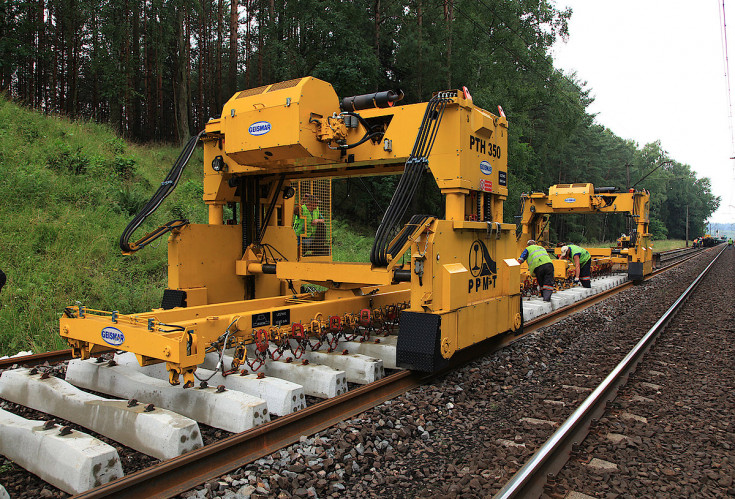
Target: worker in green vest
[
  {"x": 582, "y": 263},
  {"x": 539, "y": 264},
  {"x": 307, "y": 221}
]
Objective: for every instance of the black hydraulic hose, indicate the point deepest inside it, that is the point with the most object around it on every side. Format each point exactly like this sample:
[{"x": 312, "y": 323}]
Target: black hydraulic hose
[
  {"x": 256, "y": 205},
  {"x": 247, "y": 223},
  {"x": 416, "y": 164},
  {"x": 408, "y": 229},
  {"x": 364, "y": 139},
  {"x": 244, "y": 213},
  {"x": 166, "y": 188}
]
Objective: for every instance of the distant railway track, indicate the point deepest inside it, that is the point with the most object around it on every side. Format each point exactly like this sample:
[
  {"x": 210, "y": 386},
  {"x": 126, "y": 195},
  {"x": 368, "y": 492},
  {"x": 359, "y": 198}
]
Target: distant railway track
[
  {"x": 179, "y": 474},
  {"x": 663, "y": 257}
]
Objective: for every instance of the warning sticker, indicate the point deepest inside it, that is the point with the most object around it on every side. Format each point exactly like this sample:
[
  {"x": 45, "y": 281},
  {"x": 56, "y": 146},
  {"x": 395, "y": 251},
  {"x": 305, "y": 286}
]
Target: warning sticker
[{"x": 486, "y": 185}]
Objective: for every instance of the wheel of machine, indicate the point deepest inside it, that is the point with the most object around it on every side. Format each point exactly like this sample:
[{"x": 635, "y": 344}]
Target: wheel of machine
[
  {"x": 517, "y": 321},
  {"x": 446, "y": 347}
]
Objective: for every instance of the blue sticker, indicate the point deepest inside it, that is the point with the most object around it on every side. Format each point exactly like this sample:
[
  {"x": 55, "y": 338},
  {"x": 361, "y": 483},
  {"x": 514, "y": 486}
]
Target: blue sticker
[
  {"x": 259, "y": 128},
  {"x": 570, "y": 200},
  {"x": 113, "y": 336},
  {"x": 486, "y": 167}
]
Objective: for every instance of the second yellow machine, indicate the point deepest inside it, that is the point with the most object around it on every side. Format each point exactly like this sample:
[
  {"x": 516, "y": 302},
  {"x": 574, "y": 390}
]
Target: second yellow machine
[
  {"x": 236, "y": 282},
  {"x": 634, "y": 252}
]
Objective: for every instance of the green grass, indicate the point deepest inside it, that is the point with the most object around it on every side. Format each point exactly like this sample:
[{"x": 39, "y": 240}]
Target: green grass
[
  {"x": 68, "y": 189},
  {"x": 669, "y": 244},
  {"x": 350, "y": 245},
  {"x": 353, "y": 244}
]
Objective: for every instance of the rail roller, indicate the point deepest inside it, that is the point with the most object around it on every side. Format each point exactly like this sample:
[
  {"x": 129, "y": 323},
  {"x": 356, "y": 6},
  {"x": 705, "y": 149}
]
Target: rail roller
[
  {"x": 236, "y": 281},
  {"x": 634, "y": 252}
]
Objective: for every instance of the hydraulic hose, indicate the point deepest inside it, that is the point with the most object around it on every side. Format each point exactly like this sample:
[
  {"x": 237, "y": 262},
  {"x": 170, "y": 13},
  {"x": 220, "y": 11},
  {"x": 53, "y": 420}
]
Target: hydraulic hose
[
  {"x": 416, "y": 164},
  {"x": 166, "y": 188}
]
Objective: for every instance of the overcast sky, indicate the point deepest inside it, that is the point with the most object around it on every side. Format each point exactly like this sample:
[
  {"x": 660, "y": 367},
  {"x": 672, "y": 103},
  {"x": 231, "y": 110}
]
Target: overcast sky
[{"x": 656, "y": 70}]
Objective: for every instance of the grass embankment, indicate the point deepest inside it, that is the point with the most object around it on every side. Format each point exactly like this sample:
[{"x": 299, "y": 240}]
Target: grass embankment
[{"x": 68, "y": 189}]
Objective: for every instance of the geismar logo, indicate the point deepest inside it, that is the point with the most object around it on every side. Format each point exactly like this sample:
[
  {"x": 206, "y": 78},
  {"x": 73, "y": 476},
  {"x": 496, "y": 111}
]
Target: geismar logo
[
  {"x": 482, "y": 267},
  {"x": 113, "y": 336},
  {"x": 259, "y": 128}
]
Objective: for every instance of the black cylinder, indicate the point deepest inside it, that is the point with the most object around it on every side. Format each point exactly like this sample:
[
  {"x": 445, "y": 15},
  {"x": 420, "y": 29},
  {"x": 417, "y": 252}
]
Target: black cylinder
[
  {"x": 604, "y": 190},
  {"x": 401, "y": 275},
  {"x": 269, "y": 268},
  {"x": 369, "y": 101}
]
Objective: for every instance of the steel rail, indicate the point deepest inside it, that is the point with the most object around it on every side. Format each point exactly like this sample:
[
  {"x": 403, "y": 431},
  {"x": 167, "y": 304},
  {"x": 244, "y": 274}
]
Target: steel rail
[
  {"x": 36, "y": 358},
  {"x": 529, "y": 481},
  {"x": 177, "y": 475}
]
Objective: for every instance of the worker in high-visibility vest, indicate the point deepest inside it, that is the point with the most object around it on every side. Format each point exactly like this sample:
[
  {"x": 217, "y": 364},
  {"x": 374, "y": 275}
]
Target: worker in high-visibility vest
[
  {"x": 539, "y": 264},
  {"x": 582, "y": 263},
  {"x": 308, "y": 222}
]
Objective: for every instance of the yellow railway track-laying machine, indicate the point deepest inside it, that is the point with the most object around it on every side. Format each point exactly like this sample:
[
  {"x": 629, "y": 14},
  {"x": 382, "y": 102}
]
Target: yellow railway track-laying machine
[
  {"x": 634, "y": 252},
  {"x": 235, "y": 283}
]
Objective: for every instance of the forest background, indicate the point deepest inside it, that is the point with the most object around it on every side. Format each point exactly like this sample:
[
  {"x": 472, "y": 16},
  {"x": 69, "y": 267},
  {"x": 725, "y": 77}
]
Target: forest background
[
  {"x": 157, "y": 70},
  {"x": 154, "y": 71}
]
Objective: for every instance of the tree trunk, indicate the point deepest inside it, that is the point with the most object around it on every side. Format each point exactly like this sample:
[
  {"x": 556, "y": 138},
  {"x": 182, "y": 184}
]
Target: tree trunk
[
  {"x": 248, "y": 17},
  {"x": 234, "y": 23},
  {"x": 202, "y": 65},
  {"x": 261, "y": 26},
  {"x": 420, "y": 19},
  {"x": 376, "y": 15},
  {"x": 448, "y": 15},
  {"x": 218, "y": 71},
  {"x": 40, "y": 54},
  {"x": 181, "y": 94},
  {"x": 135, "y": 104}
]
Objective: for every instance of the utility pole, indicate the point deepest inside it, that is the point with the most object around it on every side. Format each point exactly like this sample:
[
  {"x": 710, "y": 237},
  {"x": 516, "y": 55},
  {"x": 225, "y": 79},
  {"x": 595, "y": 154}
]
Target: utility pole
[
  {"x": 687, "y": 229},
  {"x": 627, "y": 176}
]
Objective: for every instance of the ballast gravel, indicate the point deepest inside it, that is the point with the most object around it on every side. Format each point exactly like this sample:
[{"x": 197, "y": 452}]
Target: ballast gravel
[{"x": 671, "y": 430}]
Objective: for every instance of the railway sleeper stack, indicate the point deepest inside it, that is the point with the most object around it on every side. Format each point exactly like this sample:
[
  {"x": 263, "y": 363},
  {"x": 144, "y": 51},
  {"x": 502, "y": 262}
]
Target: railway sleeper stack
[
  {"x": 226, "y": 409},
  {"x": 281, "y": 396}
]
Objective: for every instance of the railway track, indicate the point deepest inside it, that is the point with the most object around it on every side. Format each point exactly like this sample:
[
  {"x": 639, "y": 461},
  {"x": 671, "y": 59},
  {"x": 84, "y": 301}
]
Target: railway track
[
  {"x": 179, "y": 474},
  {"x": 530, "y": 480},
  {"x": 664, "y": 257}
]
